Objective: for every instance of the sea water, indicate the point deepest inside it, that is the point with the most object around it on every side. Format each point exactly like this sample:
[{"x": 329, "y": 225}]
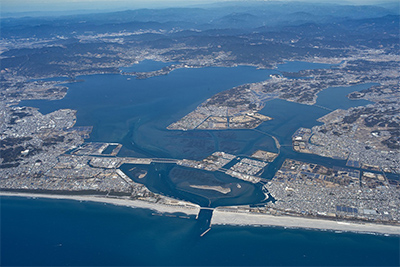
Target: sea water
[
  {"x": 64, "y": 232},
  {"x": 136, "y": 113}
]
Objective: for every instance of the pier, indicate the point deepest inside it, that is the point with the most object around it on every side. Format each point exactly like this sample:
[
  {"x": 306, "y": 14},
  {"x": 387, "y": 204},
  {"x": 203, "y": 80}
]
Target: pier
[
  {"x": 205, "y": 232},
  {"x": 204, "y": 220}
]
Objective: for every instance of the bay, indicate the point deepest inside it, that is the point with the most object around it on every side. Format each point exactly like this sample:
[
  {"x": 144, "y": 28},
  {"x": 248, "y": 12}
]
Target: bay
[{"x": 136, "y": 113}]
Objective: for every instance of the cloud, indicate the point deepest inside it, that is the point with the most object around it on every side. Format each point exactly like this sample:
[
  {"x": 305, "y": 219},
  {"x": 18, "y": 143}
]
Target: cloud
[{"x": 64, "y": 5}]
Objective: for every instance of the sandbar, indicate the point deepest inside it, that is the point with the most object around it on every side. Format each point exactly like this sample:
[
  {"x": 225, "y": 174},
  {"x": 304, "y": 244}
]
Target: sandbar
[{"x": 220, "y": 189}]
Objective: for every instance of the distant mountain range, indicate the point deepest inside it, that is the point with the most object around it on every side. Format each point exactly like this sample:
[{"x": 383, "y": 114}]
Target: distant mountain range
[{"x": 257, "y": 33}]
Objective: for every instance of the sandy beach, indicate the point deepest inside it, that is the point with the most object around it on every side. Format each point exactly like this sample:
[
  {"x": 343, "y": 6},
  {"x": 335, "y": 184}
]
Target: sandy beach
[
  {"x": 183, "y": 207},
  {"x": 240, "y": 218},
  {"x": 223, "y": 217}
]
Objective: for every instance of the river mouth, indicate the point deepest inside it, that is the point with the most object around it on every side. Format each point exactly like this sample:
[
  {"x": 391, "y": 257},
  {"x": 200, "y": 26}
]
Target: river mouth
[
  {"x": 135, "y": 113},
  {"x": 205, "y": 188}
]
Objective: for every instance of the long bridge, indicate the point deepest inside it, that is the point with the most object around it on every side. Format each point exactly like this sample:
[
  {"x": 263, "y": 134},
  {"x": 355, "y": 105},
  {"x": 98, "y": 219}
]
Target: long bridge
[
  {"x": 164, "y": 160},
  {"x": 319, "y": 106}
]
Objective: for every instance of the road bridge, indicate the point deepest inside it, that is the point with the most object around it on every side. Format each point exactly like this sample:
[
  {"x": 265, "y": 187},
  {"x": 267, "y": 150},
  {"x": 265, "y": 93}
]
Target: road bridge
[
  {"x": 162, "y": 160},
  {"x": 319, "y": 106}
]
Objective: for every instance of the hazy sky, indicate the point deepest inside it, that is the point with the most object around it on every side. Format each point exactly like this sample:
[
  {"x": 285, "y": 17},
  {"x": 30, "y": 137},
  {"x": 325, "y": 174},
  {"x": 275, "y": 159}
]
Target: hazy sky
[{"x": 63, "y": 5}]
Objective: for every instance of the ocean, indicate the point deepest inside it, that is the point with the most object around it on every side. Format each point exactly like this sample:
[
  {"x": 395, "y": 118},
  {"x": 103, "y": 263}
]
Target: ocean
[
  {"x": 136, "y": 113},
  {"x": 48, "y": 232}
]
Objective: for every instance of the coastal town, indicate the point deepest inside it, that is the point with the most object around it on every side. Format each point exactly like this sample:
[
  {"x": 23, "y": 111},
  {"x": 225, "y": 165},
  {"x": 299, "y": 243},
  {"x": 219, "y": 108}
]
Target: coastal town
[
  {"x": 365, "y": 136},
  {"x": 311, "y": 189},
  {"x": 50, "y": 154},
  {"x": 56, "y": 159}
]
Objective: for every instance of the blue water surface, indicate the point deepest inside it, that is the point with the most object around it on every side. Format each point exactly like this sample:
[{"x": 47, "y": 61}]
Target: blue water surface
[
  {"x": 136, "y": 113},
  {"x": 44, "y": 232}
]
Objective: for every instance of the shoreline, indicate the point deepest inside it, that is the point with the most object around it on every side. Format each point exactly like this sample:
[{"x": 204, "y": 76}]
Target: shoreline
[
  {"x": 231, "y": 218},
  {"x": 131, "y": 203},
  {"x": 221, "y": 217}
]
